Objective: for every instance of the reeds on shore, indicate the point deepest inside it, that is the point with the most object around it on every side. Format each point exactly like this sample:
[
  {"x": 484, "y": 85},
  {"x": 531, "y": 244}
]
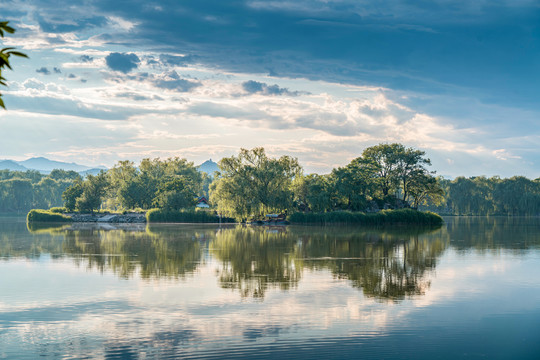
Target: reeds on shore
[
  {"x": 184, "y": 216},
  {"x": 40, "y": 215},
  {"x": 384, "y": 217}
]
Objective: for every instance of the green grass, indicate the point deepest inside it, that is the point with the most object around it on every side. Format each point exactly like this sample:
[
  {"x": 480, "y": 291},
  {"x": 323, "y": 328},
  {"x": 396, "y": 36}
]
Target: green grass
[
  {"x": 180, "y": 216},
  {"x": 384, "y": 217},
  {"x": 38, "y": 215}
]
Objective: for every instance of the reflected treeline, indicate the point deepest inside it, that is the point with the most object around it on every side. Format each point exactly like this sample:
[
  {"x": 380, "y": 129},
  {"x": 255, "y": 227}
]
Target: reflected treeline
[
  {"x": 15, "y": 242},
  {"x": 389, "y": 263},
  {"x": 255, "y": 258},
  {"x": 494, "y": 233},
  {"x": 152, "y": 254}
]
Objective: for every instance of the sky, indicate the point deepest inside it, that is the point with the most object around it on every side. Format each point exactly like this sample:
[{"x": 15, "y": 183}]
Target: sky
[{"x": 319, "y": 80}]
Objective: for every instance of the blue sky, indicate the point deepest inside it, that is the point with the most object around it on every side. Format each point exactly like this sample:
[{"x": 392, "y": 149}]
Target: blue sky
[{"x": 318, "y": 80}]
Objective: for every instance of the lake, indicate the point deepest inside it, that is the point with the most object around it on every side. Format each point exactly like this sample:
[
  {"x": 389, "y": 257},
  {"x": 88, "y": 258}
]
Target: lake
[{"x": 470, "y": 289}]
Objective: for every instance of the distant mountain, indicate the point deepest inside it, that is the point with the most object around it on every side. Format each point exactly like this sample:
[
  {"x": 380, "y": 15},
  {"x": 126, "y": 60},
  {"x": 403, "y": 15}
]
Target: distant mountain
[
  {"x": 46, "y": 165},
  {"x": 11, "y": 165},
  {"x": 208, "y": 167}
]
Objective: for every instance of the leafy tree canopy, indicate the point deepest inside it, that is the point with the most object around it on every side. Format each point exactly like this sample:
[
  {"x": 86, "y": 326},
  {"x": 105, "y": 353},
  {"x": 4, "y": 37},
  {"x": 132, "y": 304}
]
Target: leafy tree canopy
[{"x": 252, "y": 184}]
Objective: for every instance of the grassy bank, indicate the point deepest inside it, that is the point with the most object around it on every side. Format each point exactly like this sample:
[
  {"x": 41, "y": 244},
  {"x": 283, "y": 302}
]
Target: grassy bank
[
  {"x": 179, "y": 216},
  {"x": 385, "y": 217},
  {"x": 38, "y": 215}
]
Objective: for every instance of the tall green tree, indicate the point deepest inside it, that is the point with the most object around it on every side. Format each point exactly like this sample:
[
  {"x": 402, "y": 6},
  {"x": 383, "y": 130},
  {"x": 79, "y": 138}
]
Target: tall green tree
[
  {"x": 313, "y": 192},
  {"x": 252, "y": 184},
  {"x": 354, "y": 184},
  {"x": 94, "y": 189},
  {"x": 175, "y": 193},
  {"x": 425, "y": 189},
  {"x": 122, "y": 179},
  {"x": 396, "y": 167}
]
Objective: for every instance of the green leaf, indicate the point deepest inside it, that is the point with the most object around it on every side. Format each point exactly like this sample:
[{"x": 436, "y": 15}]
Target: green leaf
[{"x": 17, "y": 53}]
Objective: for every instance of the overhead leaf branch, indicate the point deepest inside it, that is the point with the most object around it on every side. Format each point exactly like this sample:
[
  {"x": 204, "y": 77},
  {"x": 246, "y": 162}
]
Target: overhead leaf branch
[{"x": 5, "y": 53}]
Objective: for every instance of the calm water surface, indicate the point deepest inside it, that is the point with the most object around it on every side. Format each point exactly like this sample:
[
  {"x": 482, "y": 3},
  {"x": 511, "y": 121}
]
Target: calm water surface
[{"x": 470, "y": 289}]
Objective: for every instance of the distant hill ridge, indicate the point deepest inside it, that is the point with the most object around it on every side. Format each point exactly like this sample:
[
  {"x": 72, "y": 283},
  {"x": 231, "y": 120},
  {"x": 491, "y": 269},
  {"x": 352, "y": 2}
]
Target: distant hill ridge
[
  {"x": 45, "y": 166},
  {"x": 11, "y": 165}
]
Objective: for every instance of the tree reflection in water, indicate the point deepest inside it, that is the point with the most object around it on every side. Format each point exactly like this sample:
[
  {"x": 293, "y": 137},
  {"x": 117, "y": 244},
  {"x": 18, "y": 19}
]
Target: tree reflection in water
[
  {"x": 255, "y": 258},
  {"x": 152, "y": 252},
  {"x": 154, "y": 255},
  {"x": 386, "y": 264}
]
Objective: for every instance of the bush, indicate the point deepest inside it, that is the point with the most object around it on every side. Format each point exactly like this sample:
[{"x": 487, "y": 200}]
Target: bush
[
  {"x": 181, "y": 216},
  {"x": 385, "y": 217},
  {"x": 58, "y": 210},
  {"x": 36, "y": 215}
]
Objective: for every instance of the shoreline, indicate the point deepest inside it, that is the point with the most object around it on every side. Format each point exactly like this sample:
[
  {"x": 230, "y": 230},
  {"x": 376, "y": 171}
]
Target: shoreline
[{"x": 384, "y": 217}]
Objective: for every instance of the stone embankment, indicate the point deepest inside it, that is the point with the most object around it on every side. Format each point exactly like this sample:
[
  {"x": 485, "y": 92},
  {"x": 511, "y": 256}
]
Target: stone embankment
[{"x": 134, "y": 218}]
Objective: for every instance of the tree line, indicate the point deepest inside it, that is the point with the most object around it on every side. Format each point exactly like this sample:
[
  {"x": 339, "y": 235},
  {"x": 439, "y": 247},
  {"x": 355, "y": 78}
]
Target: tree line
[
  {"x": 170, "y": 184},
  {"x": 252, "y": 184},
  {"x": 480, "y": 195},
  {"x": 21, "y": 191},
  {"x": 384, "y": 176}
]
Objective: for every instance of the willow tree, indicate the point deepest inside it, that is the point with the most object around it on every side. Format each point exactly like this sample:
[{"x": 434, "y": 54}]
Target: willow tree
[
  {"x": 5, "y": 54},
  {"x": 252, "y": 184}
]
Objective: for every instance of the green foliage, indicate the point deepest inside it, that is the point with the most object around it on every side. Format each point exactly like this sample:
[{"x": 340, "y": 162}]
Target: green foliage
[
  {"x": 313, "y": 192},
  {"x": 5, "y": 54},
  {"x": 395, "y": 167},
  {"x": 252, "y": 184},
  {"x": 183, "y": 216},
  {"x": 16, "y": 194},
  {"x": 386, "y": 174},
  {"x": 60, "y": 174},
  {"x": 38, "y": 215},
  {"x": 353, "y": 185},
  {"x": 173, "y": 184},
  {"x": 175, "y": 193},
  {"x": 384, "y": 217},
  {"x": 71, "y": 194},
  {"x": 21, "y": 191},
  {"x": 58, "y": 210},
  {"x": 489, "y": 196},
  {"x": 93, "y": 192}
]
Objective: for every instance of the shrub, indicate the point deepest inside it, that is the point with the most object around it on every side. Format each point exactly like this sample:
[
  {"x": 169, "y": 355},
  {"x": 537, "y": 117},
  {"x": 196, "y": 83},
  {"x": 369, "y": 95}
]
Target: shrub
[
  {"x": 58, "y": 210},
  {"x": 46, "y": 216},
  {"x": 182, "y": 216},
  {"x": 385, "y": 217}
]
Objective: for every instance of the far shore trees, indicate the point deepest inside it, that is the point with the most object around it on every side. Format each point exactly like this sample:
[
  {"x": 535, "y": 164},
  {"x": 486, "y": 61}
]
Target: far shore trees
[
  {"x": 170, "y": 184},
  {"x": 252, "y": 184}
]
